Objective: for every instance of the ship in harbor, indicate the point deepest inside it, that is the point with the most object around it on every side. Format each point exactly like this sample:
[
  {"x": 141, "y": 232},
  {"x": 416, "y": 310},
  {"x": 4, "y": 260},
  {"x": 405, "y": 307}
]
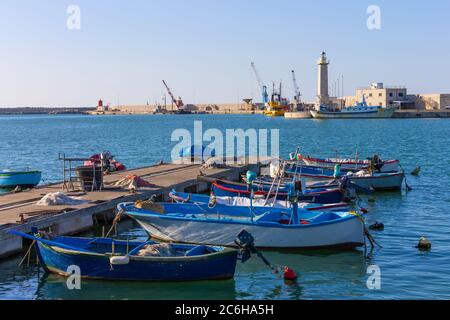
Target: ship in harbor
[
  {"x": 277, "y": 106},
  {"x": 361, "y": 111}
]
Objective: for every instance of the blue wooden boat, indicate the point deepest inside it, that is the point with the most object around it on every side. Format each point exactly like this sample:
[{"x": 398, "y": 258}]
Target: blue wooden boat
[
  {"x": 320, "y": 195},
  {"x": 24, "y": 179},
  {"x": 101, "y": 258}
]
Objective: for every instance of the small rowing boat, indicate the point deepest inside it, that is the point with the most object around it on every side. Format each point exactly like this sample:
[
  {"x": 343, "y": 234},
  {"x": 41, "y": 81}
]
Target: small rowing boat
[
  {"x": 111, "y": 259},
  {"x": 24, "y": 179}
]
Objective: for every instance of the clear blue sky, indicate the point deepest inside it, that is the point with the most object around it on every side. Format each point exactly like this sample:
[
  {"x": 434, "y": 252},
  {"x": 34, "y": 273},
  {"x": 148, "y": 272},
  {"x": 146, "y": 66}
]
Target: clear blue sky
[{"x": 203, "y": 48}]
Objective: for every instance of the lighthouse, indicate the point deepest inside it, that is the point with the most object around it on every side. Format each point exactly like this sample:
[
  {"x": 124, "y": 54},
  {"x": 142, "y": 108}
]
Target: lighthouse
[{"x": 322, "y": 92}]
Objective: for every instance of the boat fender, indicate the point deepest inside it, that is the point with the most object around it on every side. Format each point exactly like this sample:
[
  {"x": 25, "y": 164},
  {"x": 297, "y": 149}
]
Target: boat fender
[
  {"x": 337, "y": 171},
  {"x": 212, "y": 202},
  {"x": 251, "y": 177},
  {"x": 119, "y": 260}
]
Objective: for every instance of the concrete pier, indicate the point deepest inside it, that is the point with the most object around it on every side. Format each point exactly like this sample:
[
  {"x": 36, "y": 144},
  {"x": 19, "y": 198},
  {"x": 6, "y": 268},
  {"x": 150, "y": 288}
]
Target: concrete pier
[
  {"x": 19, "y": 211},
  {"x": 403, "y": 114},
  {"x": 298, "y": 115}
]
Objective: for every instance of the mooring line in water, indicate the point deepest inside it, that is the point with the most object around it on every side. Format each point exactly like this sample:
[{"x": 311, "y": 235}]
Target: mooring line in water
[
  {"x": 408, "y": 188},
  {"x": 27, "y": 254},
  {"x": 116, "y": 220},
  {"x": 371, "y": 239}
]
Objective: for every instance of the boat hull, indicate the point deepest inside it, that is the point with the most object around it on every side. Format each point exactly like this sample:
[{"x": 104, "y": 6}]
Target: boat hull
[
  {"x": 11, "y": 179},
  {"x": 274, "y": 113},
  {"x": 217, "y": 266},
  {"x": 377, "y": 181},
  {"x": 343, "y": 234},
  {"x": 381, "y": 113},
  {"x": 351, "y": 164},
  {"x": 383, "y": 182}
]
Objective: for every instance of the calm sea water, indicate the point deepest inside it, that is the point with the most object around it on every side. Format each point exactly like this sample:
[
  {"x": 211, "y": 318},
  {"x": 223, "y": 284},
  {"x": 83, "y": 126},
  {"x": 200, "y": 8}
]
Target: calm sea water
[{"x": 406, "y": 273}]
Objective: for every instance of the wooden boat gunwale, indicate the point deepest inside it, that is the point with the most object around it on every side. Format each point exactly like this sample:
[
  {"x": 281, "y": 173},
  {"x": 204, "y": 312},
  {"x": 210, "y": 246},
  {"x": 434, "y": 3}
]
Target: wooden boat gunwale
[{"x": 265, "y": 224}]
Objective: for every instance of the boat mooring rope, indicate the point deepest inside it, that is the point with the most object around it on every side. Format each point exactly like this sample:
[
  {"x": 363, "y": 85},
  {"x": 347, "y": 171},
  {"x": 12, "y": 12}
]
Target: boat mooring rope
[
  {"x": 369, "y": 236},
  {"x": 408, "y": 188},
  {"x": 27, "y": 255},
  {"x": 116, "y": 220}
]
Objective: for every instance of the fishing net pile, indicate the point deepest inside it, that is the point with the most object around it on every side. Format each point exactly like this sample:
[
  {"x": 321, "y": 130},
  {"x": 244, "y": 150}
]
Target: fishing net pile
[
  {"x": 58, "y": 199},
  {"x": 215, "y": 163},
  {"x": 133, "y": 182},
  {"x": 360, "y": 173},
  {"x": 157, "y": 250}
]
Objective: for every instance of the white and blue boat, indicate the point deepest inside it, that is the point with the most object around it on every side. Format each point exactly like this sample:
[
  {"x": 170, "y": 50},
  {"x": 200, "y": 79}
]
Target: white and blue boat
[
  {"x": 111, "y": 259},
  {"x": 362, "y": 179},
  {"x": 21, "y": 178},
  {"x": 182, "y": 197},
  {"x": 360, "y": 111},
  {"x": 272, "y": 228}
]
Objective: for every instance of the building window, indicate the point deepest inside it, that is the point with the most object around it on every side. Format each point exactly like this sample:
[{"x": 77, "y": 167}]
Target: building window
[
  {"x": 380, "y": 94},
  {"x": 391, "y": 94},
  {"x": 370, "y": 94},
  {"x": 400, "y": 94}
]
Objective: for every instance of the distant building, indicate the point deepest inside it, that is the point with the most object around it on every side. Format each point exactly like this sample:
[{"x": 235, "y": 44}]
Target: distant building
[
  {"x": 384, "y": 96},
  {"x": 379, "y": 95},
  {"x": 435, "y": 101}
]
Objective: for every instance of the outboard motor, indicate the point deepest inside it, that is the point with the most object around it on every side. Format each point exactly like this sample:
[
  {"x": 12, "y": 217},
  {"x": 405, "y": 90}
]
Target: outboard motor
[{"x": 246, "y": 243}]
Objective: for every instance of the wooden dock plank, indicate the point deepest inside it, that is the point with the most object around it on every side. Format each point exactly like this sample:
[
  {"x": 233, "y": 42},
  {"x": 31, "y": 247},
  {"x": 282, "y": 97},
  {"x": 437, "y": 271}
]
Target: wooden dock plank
[{"x": 163, "y": 178}]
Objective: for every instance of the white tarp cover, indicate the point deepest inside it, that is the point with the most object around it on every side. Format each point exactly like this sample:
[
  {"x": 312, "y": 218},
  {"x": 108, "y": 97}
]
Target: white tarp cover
[{"x": 58, "y": 199}]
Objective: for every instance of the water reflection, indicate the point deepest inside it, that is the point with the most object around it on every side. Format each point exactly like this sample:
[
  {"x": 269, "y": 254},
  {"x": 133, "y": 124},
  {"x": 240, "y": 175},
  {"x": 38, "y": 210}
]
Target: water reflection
[
  {"x": 53, "y": 287},
  {"x": 314, "y": 269}
]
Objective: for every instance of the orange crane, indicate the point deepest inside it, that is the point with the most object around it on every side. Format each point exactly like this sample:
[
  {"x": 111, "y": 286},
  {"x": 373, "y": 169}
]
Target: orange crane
[{"x": 178, "y": 102}]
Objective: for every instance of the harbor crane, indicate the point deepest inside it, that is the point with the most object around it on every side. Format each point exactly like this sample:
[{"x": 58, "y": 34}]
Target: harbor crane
[
  {"x": 297, "y": 97},
  {"x": 265, "y": 95},
  {"x": 178, "y": 102}
]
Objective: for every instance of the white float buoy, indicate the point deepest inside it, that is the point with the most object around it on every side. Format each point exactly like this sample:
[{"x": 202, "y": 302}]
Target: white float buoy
[{"x": 119, "y": 260}]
